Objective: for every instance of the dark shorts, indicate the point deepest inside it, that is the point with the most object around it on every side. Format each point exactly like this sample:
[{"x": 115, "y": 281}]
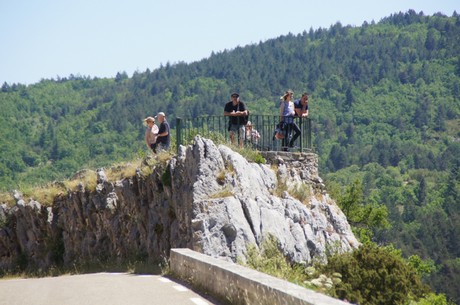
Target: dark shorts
[{"x": 159, "y": 147}]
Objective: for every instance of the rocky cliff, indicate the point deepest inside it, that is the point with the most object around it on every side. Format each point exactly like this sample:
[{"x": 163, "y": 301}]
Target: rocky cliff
[{"x": 207, "y": 198}]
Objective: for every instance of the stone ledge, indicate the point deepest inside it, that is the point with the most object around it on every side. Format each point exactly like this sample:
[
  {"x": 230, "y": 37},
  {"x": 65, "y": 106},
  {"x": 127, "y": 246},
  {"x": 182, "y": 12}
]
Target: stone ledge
[
  {"x": 273, "y": 156},
  {"x": 240, "y": 285}
]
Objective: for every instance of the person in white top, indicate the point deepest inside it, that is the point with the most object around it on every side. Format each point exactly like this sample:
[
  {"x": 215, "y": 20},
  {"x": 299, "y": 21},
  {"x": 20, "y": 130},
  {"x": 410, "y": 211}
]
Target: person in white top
[
  {"x": 151, "y": 132},
  {"x": 287, "y": 114}
]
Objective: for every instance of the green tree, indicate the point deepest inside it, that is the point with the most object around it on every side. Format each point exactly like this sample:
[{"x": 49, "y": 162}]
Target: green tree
[{"x": 375, "y": 275}]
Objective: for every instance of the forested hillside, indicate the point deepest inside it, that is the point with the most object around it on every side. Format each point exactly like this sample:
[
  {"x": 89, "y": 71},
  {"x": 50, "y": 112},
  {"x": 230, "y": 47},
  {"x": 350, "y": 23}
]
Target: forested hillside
[{"x": 384, "y": 100}]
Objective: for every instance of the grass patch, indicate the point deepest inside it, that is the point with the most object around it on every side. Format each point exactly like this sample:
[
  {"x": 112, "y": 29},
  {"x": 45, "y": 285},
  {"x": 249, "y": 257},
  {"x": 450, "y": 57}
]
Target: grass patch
[
  {"x": 301, "y": 191},
  {"x": 250, "y": 154},
  {"x": 87, "y": 178},
  {"x": 45, "y": 194},
  {"x": 220, "y": 177},
  {"x": 225, "y": 192},
  {"x": 123, "y": 170},
  {"x": 281, "y": 187},
  {"x": 270, "y": 260},
  {"x": 7, "y": 199}
]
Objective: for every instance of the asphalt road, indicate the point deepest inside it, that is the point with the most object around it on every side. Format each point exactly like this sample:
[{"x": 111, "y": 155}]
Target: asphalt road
[{"x": 98, "y": 289}]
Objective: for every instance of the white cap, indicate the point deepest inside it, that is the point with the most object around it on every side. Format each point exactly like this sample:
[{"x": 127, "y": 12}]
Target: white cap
[{"x": 160, "y": 114}]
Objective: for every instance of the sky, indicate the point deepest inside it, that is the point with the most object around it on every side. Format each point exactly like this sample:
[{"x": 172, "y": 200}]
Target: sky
[{"x": 51, "y": 39}]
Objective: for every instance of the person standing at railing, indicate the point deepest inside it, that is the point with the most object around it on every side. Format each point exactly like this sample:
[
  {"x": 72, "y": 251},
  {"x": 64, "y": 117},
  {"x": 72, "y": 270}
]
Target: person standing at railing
[
  {"x": 163, "y": 138},
  {"x": 301, "y": 111},
  {"x": 236, "y": 110},
  {"x": 252, "y": 135},
  {"x": 301, "y": 106},
  {"x": 151, "y": 132},
  {"x": 287, "y": 113}
]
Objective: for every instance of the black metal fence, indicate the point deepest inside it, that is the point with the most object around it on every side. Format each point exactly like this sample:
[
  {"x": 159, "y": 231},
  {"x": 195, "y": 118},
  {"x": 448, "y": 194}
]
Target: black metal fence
[{"x": 263, "y": 136}]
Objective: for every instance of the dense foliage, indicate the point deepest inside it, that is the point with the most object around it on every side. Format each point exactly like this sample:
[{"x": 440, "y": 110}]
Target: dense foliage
[
  {"x": 375, "y": 275},
  {"x": 370, "y": 275},
  {"x": 384, "y": 99}
]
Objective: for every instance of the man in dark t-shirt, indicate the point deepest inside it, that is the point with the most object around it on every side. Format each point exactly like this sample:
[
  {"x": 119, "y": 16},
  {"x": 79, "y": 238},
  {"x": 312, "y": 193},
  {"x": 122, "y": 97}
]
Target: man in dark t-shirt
[
  {"x": 237, "y": 112},
  {"x": 163, "y": 137},
  {"x": 301, "y": 106},
  {"x": 301, "y": 111}
]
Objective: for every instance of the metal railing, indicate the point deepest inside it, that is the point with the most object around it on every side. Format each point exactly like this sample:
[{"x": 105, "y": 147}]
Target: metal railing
[{"x": 217, "y": 128}]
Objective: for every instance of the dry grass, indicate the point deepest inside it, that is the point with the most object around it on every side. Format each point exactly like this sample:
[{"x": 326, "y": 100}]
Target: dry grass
[
  {"x": 250, "y": 154},
  {"x": 225, "y": 192},
  {"x": 281, "y": 187},
  {"x": 87, "y": 178},
  {"x": 7, "y": 199},
  {"x": 298, "y": 190},
  {"x": 123, "y": 170},
  {"x": 220, "y": 177},
  {"x": 45, "y": 194},
  {"x": 301, "y": 191}
]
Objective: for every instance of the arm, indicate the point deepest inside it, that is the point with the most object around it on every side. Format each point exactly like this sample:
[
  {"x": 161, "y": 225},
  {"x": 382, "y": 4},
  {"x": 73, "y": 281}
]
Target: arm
[
  {"x": 291, "y": 109},
  {"x": 298, "y": 108},
  {"x": 163, "y": 131},
  {"x": 155, "y": 133},
  {"x": 242, "y": 111},
  {"x": 147, "y": 138},
  {"x": 281, "y": 112},
  {"x": 228, "y": 110},
  {"x": 298, "y": 112},
  {"x": 301, "y": 114},
  {"x": 305, "y": 113}
]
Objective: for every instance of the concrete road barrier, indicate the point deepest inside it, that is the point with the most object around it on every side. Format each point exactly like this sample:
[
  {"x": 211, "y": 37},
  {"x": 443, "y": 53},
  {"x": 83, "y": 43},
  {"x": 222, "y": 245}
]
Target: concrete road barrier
[{"x": 236, "y": 284}]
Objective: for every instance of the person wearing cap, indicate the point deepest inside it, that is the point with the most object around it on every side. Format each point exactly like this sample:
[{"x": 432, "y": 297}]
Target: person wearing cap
[
  {"x": 237, "y": 112},
  {"x": 252, "y": 135},
  {"x": 287, "y": 113},
  {"x": 151, "y": 132},
  {"x": 163, "y": 138}
]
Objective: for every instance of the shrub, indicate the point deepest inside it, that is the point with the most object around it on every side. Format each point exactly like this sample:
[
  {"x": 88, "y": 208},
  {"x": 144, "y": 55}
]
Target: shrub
[{"x": 375, "y": 275}]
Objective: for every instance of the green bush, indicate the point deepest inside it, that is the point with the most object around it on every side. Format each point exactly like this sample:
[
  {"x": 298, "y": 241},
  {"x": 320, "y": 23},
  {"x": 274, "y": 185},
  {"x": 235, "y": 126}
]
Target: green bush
[{"x": 375, "y": 275}]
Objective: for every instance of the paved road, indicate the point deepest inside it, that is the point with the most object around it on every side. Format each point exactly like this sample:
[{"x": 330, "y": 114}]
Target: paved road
[{"x": 98, "y": 289}]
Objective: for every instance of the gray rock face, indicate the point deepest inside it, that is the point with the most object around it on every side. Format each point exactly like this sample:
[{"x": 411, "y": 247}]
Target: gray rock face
[{"x": 208, "y": 198}]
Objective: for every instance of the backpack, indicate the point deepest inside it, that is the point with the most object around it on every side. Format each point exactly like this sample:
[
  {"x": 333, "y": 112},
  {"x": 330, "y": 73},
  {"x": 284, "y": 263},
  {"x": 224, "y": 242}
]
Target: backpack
[
  {"x": 279, "y": 131},
  {"x": 245, "y": 119}
]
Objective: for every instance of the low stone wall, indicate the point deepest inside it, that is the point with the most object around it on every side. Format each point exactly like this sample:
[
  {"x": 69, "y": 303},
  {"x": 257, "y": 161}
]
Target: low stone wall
[
  {"x": 236, "y": 284},
  {"x": 303, "y": 166}
]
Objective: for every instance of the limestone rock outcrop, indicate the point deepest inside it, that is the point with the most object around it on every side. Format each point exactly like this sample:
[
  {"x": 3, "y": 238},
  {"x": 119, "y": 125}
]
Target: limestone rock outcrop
[{"x": 207, "y": 198}]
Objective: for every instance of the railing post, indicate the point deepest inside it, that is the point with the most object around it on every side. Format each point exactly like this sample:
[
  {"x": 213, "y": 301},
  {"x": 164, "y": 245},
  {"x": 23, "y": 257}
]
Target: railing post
[
  {"x": 301, "y": 134},
  {"x": 178, "y": 133}
]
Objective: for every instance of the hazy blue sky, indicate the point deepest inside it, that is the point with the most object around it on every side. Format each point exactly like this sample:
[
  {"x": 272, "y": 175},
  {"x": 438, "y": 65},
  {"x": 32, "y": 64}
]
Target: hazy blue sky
[{"x": 50, "y": 38}]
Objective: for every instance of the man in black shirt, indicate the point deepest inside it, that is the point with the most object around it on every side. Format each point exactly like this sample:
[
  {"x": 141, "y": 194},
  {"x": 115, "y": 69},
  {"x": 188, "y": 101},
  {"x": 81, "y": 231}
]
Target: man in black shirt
[
  {"x": 236, "y": 110},
  {"x": 163, "y": 137}
]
